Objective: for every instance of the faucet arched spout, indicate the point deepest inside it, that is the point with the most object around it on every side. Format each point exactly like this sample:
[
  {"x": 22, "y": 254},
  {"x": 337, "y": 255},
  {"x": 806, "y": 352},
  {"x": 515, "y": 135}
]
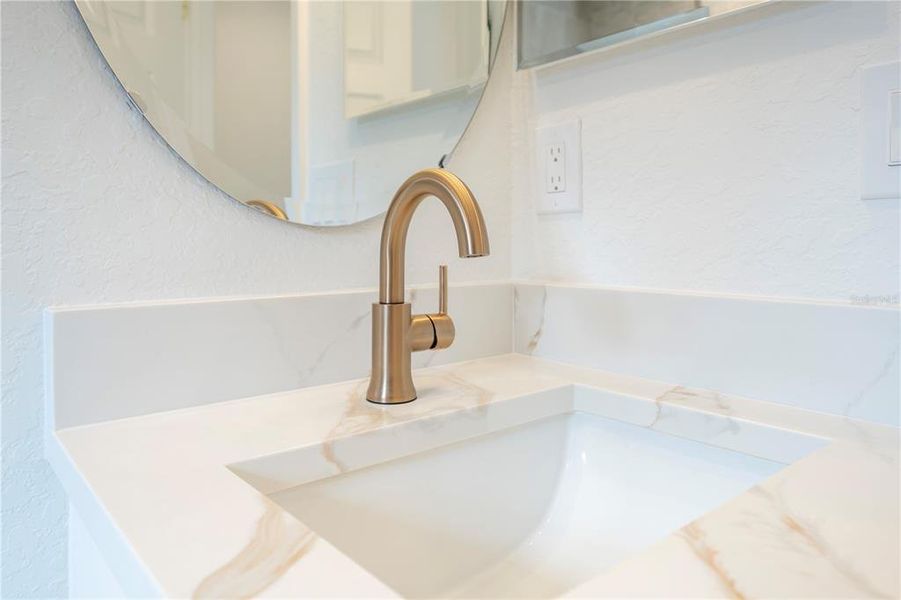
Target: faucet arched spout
[{"x": 472, "y": 236}]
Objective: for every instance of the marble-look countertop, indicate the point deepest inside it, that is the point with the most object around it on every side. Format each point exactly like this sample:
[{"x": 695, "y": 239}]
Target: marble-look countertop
[{"x": 162, "y": 498}]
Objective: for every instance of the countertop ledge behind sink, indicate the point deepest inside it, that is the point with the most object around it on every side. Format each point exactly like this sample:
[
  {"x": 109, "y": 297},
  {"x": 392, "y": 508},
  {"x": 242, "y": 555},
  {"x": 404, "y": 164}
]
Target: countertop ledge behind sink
[{"x": 178, "y": 501}]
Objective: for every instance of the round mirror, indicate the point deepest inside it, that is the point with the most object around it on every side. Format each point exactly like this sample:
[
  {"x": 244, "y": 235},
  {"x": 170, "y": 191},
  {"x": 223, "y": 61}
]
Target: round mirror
[{"x": 313, "y": 112}]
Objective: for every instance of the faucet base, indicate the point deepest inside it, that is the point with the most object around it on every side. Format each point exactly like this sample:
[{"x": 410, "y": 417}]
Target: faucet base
[
  {"x": 391, "y": 381},
  {"x": 380, "y": 403}
]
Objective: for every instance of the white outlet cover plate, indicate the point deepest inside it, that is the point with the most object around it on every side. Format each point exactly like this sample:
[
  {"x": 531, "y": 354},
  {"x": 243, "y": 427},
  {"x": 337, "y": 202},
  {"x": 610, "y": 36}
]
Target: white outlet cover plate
[{"x": 569, "y": 134}]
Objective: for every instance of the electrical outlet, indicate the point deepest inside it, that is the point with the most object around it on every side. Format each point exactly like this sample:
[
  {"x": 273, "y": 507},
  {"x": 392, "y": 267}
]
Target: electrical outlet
[
  {"x": 555, "y": 154},
  {"x": 559, "y": 168}
]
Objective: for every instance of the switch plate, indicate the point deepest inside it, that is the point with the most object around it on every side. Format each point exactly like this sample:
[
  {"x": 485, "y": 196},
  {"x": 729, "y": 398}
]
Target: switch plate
[
  {"x": 880, "y": 171},
  {"x": 558, "y": 158},
  {"x": 894, "y": 132},
  {"x": 332, "y": 197}
]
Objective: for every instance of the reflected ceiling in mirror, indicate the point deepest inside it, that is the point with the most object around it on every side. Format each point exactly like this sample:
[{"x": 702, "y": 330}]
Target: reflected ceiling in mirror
[
  {"x": 313, "y": 112},
  {"x": 550, "y": 30}
]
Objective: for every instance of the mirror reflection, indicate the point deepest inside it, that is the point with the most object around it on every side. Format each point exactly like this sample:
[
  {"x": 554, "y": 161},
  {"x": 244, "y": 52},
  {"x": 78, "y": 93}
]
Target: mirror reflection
[{"x": 310, "y": 111}]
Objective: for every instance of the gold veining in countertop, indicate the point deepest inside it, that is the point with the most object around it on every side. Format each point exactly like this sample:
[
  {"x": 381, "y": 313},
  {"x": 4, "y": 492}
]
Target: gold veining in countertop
[{"x": 277, "y": 543}]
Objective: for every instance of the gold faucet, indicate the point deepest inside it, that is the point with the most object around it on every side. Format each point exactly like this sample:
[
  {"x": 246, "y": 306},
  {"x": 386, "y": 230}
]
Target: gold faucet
[{"x": 396, "y": 332}]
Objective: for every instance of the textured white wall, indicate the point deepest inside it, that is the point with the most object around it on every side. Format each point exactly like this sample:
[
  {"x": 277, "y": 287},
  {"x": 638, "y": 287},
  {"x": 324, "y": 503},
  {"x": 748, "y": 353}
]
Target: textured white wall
[
  {"x": 97, "y": 209},
  {"x": 723, "y": 161}
]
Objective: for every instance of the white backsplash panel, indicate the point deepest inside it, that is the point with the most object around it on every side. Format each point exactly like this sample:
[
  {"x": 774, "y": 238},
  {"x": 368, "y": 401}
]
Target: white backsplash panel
[
  {"x": 834, "y": 358},
  {"x": 116, "y": 361},
  {"x": 111, "y": 362}
]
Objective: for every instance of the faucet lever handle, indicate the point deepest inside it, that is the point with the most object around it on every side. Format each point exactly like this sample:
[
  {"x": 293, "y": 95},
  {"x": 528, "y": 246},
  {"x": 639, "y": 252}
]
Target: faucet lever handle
[
  {"x": 442, "y": 324},
  {"x": 442, "y": 289}
]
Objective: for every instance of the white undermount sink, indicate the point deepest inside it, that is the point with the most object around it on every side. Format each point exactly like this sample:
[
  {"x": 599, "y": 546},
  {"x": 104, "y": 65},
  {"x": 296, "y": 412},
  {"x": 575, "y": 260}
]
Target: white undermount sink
[{"x": 530, "y": 510}]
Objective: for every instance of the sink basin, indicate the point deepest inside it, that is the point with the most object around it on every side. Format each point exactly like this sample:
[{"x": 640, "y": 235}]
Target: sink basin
[{"x": 531, "y": 510}]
